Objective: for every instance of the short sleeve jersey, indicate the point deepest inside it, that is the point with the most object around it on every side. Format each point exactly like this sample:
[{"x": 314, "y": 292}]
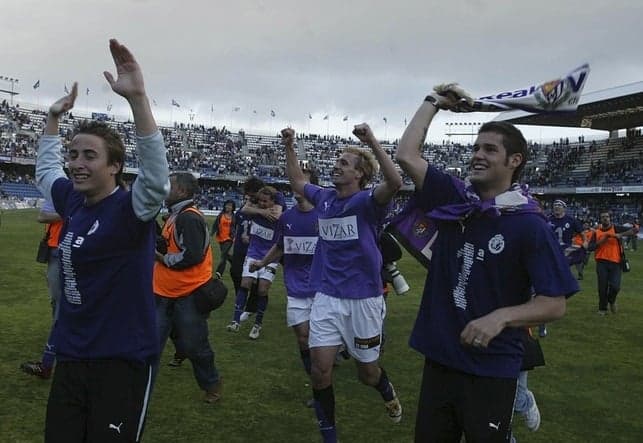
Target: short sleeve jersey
[
  {"x": 347, "y": 262},
  {"x": 297, "y": 237},
  {"x": 478, "y": 266}
]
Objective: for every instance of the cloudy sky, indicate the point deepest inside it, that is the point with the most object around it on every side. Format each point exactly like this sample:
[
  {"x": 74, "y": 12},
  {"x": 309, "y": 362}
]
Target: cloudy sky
[{"x": 367, "y": 59}]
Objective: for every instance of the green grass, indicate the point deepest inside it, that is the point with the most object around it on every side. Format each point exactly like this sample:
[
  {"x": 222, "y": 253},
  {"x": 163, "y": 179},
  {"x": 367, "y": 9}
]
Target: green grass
[{"x": 589, "y": 391}]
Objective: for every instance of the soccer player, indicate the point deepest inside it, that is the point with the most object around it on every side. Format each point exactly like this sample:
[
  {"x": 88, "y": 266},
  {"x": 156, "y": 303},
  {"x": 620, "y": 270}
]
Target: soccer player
[
  {"x": 262, "y": 237},
  {"x": 105, "y": 337},
  {"x": 296, "y": 234},
  {"x": 493, "y": 245},
  {"x": 349, "y": 306}
]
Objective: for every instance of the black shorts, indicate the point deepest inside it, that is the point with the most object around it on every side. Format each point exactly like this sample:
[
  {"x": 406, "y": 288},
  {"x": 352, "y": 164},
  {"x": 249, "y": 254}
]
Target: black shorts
[
  {"x": 98, "y": 401},
  {"x": 453, "y": 404}
]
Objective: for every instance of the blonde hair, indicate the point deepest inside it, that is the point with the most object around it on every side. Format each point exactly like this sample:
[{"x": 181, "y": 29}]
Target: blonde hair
[{"x": 366, "y": 163}]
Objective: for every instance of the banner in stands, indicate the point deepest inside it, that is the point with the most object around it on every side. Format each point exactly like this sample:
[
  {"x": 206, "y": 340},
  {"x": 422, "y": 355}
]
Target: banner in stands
[
  {"x": 100, "y": 116},
  {"x": 559, "y": 95}
]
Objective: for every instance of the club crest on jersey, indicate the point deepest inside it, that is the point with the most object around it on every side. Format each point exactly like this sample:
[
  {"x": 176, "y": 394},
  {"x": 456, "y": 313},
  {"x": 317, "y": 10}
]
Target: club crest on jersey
[
  {"x": 496, "y": 244},
  {"x": 421, "y": 229}
]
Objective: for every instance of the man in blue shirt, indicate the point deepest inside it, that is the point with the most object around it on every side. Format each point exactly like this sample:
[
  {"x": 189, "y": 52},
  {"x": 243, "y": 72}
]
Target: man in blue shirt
[{"x": 493, "y": 246}]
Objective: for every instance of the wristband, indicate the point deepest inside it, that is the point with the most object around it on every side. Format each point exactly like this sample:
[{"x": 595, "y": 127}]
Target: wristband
[{"x": 434, "y": 101}]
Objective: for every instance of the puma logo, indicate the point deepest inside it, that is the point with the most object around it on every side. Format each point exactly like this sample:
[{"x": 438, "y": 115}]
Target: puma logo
[
  {"x": 494, "y": 425},
  {"x": 116, "y": 428}
]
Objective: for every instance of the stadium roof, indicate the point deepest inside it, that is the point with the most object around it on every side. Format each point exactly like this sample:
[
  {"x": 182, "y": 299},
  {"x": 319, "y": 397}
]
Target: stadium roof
[{"x": 608, "y": 109}]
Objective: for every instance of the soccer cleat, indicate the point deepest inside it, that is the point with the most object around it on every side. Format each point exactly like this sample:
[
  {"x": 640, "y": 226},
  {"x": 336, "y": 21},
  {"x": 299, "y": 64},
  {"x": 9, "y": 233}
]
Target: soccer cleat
[
  {"x": 176, "y": 362},
  {"x": 233, "y": 327},
  {"x": 36, "y": 368},
  {"x": 254, "y": 332},
  {"x": 217, "y": 275},
  {"x": 394, "y": 407},
  {"x": 532, "y": 416},
  {"x": 613, "y": 308},
  {"x": 602, "y": 313}
]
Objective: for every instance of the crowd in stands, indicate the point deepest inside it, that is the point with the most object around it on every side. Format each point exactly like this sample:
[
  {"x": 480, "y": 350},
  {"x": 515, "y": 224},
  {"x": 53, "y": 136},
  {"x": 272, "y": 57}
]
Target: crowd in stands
[{"x": 219, "y": 155}]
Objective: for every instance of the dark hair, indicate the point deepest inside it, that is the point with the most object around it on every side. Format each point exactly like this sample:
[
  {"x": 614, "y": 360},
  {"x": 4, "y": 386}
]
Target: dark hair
[
  {"x": 234, "y": 206},
  {"x": 269, "y": 191},
  {"x": 187, "y": 182},
  {"x": 253, "y": 185},
  {"x": 513, "y": 141},
  {"x": 313, "y": 176},
  {"x": 605, "y": 211},
  {"x": 113, "y": 143}
]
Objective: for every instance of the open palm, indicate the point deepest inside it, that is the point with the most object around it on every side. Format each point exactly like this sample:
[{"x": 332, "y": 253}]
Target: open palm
[
  {"x": 65, "y": 103},
  {"x": 129, "y": 83}
]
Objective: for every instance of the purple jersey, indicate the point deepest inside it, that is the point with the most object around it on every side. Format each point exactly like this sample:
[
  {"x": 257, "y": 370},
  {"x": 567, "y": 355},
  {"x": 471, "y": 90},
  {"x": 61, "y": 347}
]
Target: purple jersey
[
  {"x": 297, "y": 237},
  {"x": 565, "y": 228},
  {"x": 262, "y": 237},
  {"x": 478, "y": 266},
  {"x": 347, "y": 262},
  {"x": 106, "y": 257}
]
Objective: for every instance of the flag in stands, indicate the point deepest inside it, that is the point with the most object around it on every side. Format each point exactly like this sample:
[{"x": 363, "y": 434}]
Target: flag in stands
[
  {"x": 236, "y": 109},
  {"x": 272, "y": 113},
  {"x": 109, "y": 107},
  {"x": 211, "y": 108},
  {"x": 254, "y": 111},
  {"x": 36, "y": 85},
  {"x": 385, "y": 120},
  {"x": 345, "y": 118},
  {"x": 87, "y": 91},
  {"x": 154, "y": 102},
  {"x": 310, "y": 116},
  {"x": 66, "y": 90},
  {"x": 175, "y": 103},
  {"x": 326, "y": 117}
]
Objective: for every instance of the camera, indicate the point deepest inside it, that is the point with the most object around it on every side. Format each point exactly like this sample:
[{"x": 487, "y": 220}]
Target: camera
[{"x": 399, "y": 282}]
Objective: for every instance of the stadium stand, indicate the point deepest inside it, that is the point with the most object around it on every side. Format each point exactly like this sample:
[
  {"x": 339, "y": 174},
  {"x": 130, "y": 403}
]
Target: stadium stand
[{"x": 222, "y": 160}]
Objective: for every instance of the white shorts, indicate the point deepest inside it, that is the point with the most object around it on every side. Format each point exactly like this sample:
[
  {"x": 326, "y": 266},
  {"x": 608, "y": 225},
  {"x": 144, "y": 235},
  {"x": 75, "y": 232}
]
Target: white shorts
[
  {"x": 298, "y": 310},
  {"x": 356, "y": 323},
  {"x": 268, "y": 272}
]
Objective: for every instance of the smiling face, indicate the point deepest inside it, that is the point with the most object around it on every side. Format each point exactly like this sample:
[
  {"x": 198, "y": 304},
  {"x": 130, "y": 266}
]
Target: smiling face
[
  {"x": 264, "y": 201},
  {"x": 490, "y": 168},
  {"x": 89, "y": 167},
  {"x": 559, "y": 211},
  {"x": 345, "y": 171}
]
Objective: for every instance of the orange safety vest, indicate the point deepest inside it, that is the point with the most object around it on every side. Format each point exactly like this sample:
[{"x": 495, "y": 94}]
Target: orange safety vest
[
  {"x": 224, "y": 229},
  {"x": 175, "y": 283},
  {"x": 54, "y": 229},
  {"x": 611, "y": 249}
]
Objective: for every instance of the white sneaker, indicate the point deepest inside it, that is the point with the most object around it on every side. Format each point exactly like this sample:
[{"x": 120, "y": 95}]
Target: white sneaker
[
  {"x": 233, "y": 327},
  {"x": 254, "y": 332},
  {"x": 532, "y": 416},
  {"x": 394, "y": 407}
]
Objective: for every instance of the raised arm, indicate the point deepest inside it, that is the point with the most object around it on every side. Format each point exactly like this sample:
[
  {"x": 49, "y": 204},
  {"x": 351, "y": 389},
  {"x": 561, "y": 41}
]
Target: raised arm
[
  {"x": 392, "y": 182},
  {"x": 409, "y": 150},
  {"x": 152, "y": 184},
  {"x": 295, "y": 174},
  {"x": 49, "y": 163}
]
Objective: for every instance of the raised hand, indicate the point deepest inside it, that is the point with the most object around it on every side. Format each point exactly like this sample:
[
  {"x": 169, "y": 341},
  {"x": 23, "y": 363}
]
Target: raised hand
[
  {"x": 288, "y": 136},
  {"x": 129, "y": 83},
  {"x": 452, "y": 97},
  {"x": 65, "y": 103},
  {"x": 364, "y": 133}
]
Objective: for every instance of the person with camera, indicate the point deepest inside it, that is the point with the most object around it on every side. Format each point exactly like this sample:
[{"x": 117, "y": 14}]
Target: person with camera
[
  {"x": 349, "y": 306},
  {"x": 608, "y": 251},
  {"x": 105, "y": 337},
  {"x": 183, "y": 265}
]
